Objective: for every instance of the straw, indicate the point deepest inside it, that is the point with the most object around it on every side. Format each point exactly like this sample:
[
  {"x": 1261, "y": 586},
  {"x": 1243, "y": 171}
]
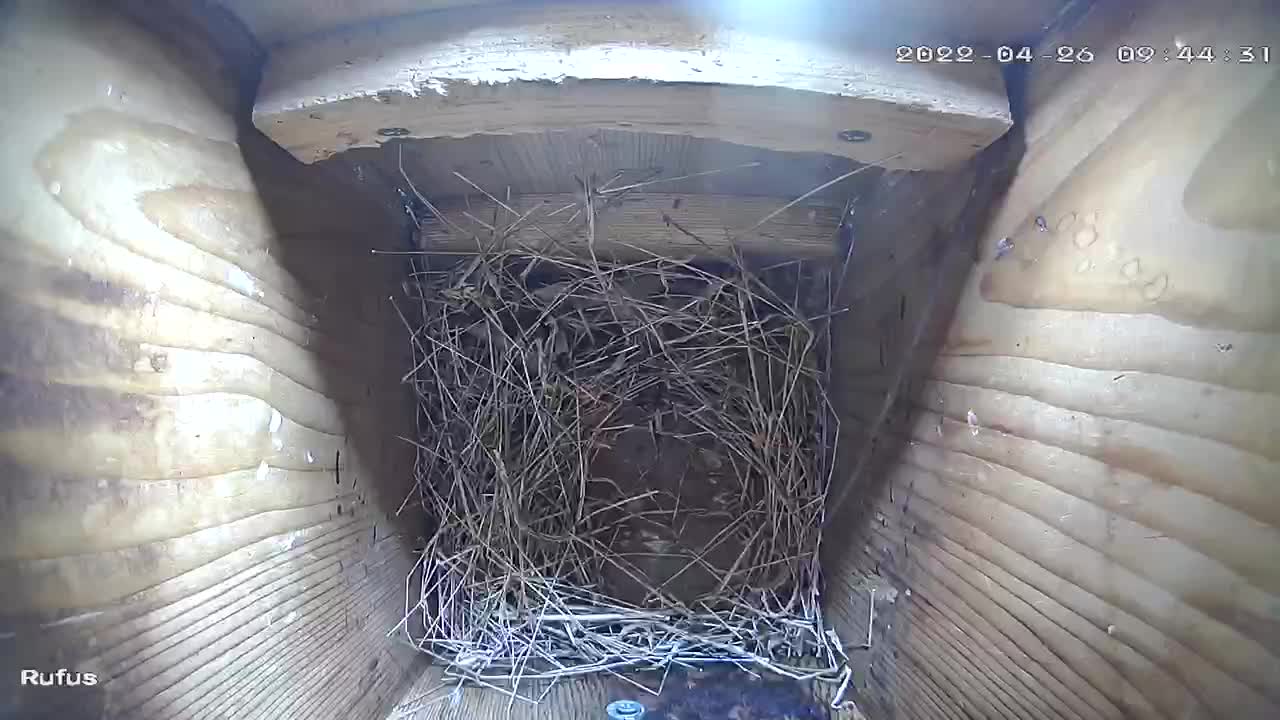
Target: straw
[{"x": 528, "y": 368}]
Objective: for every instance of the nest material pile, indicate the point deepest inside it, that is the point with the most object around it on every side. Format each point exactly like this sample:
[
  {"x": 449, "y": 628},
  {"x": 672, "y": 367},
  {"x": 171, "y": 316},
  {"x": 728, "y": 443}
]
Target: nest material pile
[{"x": 627, "y": 464}]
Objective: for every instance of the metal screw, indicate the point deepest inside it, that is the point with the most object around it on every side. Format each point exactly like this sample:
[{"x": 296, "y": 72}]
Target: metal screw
[{"x": 625, "y": 710}]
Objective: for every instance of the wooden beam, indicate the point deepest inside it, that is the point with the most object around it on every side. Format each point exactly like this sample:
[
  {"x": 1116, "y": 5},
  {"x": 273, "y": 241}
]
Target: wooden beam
[
  {"x": 670, "y": 224},
  {"x": 553, "y": 162},
  {"x": 638, "y": 66},
  {"x": 988, "y": 22},
  {"x": 284, "y": 21}
]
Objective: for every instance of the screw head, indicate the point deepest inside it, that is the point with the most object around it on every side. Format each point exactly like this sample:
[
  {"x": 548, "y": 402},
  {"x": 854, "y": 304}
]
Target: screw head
[{"x": 625, "y": 710}]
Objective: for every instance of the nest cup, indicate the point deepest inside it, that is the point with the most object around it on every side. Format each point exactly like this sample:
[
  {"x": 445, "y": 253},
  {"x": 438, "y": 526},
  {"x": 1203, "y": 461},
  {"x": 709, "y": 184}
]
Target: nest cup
[{"x": 624, "y": 455}]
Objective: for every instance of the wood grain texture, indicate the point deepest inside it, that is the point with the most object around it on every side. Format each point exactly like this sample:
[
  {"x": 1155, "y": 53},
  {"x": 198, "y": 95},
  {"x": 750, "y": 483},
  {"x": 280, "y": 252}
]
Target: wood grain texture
[
  {"x": 1087, "y": 478},
  {"x": 195, "y": 438},
  {"x": 983, "y": 21},
  {"x": 912, "y": 251},
  {"x": 651, "y": 67},
  {"x": 555, "y": 162},
  {"x": 431, "y": 698},
  {"x": 631, "y": 225},
  {"x": 198, "y": 403}
]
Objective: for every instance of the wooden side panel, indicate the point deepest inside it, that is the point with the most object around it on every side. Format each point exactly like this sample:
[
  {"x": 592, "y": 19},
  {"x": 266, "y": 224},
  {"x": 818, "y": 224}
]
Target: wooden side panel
[
  {"x": 196, "y": 431},
  {"x": 1085, "y": 507},
  {"x": 912, "y": 251}
]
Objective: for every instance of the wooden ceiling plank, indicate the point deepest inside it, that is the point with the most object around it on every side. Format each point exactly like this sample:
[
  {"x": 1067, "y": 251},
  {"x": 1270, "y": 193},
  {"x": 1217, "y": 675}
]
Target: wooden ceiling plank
[
  {"x": 636, "y": 66},
  {"x": 911, "y": 22}
]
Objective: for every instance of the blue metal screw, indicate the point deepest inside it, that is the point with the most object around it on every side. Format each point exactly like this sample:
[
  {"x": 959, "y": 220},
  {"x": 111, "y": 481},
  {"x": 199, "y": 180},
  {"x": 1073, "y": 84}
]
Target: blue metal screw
[{"x": 625, "y": 710}]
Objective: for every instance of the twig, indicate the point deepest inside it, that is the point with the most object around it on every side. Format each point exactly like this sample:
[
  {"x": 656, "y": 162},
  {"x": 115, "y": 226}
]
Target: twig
[
  {"x": 422, "y": 198},
  {"x": 705, "y": 173},
  {"x": 817, "y": 190}
]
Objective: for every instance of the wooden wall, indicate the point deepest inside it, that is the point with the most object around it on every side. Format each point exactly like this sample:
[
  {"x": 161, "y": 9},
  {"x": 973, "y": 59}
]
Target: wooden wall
[
  {"x": 198, "y": 399},
  {"x": 1082, "y": 521}
]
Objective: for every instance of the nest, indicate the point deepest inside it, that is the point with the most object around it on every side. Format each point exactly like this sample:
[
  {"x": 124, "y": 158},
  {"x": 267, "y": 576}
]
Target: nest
[{"x": 625, "y": 462}]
